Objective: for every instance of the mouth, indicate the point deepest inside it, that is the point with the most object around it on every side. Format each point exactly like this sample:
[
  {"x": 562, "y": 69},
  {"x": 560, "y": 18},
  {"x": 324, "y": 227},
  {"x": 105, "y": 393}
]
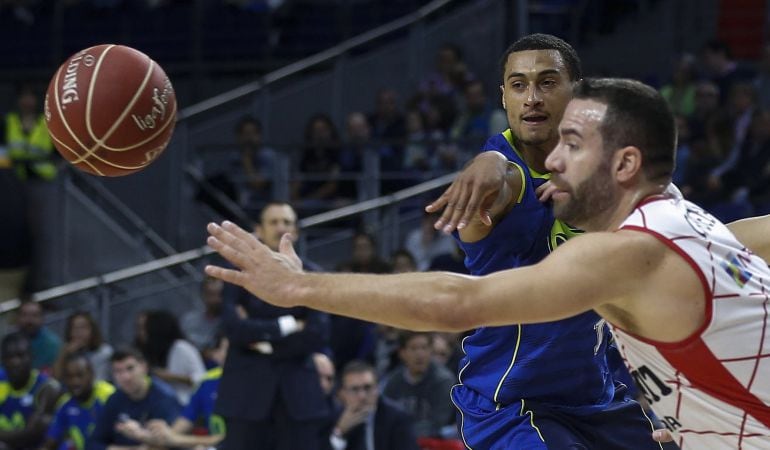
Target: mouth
[{"x": 534, "y": 118}]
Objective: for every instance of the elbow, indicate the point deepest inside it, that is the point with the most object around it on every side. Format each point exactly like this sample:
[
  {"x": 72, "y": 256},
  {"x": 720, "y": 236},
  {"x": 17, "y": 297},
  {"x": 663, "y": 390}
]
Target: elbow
[{"x": 457, "y": 307}]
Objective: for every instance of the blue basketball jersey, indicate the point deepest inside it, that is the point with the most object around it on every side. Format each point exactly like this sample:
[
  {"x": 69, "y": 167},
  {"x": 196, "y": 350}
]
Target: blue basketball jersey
[
  {"x": 200, "y": 410},
  {"x": 16, "y": 406},
  {"x": 558, "y": 363},
  {"x": 74, "y": 421}
]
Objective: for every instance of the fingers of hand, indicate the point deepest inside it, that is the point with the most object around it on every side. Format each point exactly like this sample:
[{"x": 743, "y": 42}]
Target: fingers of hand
[
  {"x": 439, "y": 203},
  {"x": 471, "y": 208},
  {"x": 458, "y": 207},
  {"x": 242, "y": 235},
  {"x": 226, "y": 275}
]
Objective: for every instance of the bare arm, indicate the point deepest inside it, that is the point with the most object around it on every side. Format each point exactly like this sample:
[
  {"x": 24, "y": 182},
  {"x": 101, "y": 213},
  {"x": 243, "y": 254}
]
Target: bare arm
[
  {"x": 754, "y": 233},
  {"x": 178, "y": 434},
  {"x": 572, "y": 280}
]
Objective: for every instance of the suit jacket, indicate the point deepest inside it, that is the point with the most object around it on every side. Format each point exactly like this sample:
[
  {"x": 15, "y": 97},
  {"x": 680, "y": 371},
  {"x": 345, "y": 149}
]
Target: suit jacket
[
  {"x": 392, "y": 430},
  {"x": 251, "y": 380}
]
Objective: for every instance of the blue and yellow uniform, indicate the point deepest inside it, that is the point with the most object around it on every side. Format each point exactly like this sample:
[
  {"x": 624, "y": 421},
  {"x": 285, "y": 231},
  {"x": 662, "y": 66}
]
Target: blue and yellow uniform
[
  {"x": 16, "y": 406},
  {"x": 74, "y": 421},
  {"x": 515, "y": 379},
  {"x": 200, "y": 410}
]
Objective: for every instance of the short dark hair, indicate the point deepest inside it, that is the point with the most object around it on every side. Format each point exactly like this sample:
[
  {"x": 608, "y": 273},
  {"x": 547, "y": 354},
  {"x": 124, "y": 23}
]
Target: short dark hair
[
  {"x": 637, "y": 115},
  {"x": 357, "y": 366},
  {"x": 16, "y": 337},
  {"x": 270, "y": 205},
  {"x": 539, "y": 41},
  {"x": 405, "y": 336},
  {"x": 77, "y": 356},
  {"x": 125, "y": 353}
]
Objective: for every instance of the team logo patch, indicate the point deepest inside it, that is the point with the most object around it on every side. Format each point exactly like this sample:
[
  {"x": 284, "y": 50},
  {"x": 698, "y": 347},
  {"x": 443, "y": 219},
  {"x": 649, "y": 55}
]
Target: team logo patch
[{"x": 737, "y": 269}]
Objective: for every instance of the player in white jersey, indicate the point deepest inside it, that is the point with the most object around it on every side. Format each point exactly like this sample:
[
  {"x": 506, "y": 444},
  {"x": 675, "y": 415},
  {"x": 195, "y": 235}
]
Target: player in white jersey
[{"x": 687, "y": 300}]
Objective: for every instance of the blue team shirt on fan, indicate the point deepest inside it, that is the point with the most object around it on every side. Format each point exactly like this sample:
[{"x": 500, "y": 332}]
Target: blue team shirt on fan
[
  {"x": 558, "y": 363},
  {"x": 74, "y": 421},
  {"x": 200, "y": 410}
]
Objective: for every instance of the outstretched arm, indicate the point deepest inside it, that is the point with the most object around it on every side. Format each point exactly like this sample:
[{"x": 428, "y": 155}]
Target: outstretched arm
[
  {"x": 570, "y": 281},
  {"x": 754, "y": 233}
]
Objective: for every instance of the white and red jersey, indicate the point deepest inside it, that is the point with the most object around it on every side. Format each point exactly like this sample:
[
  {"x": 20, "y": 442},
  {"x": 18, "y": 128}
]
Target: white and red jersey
[{"x": 713, "y": 388}]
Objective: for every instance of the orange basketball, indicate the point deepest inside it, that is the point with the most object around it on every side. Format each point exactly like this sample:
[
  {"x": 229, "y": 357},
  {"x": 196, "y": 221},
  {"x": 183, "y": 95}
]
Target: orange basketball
[{"x": 110, "y": 110}]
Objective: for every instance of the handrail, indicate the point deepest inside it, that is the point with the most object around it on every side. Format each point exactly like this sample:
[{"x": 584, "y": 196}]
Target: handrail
[
  {"x": 197, "y": 253},
  {"x": 310, "y": 61}
]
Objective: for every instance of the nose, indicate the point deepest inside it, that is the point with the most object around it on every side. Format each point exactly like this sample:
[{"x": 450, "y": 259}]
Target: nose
[
  {"x": 534, "y": 96},
  {"x": 554, "y": 162}
]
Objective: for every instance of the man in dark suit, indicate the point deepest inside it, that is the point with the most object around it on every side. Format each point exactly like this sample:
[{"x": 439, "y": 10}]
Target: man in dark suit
[
  {"x": 270, "y": 395},
  {"x": 368, "y": 422}
]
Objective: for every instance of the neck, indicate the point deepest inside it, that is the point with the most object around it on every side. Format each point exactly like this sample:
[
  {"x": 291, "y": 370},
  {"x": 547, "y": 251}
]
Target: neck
[
  {"x": 86, "y": 396},
  {"x": 141, "y": 392},
  {"x": 612, "y": 218},
  {"x": 535, "y": 155},
  {"x": 21, "y": 382}
]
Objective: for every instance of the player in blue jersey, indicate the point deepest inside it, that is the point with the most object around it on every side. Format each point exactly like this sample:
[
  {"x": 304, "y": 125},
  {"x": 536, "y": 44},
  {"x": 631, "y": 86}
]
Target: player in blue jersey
[
  {"x": 79, "y": 407},
  {"x": 27, "y": 397},
  {"x": 536, "y": 386}
]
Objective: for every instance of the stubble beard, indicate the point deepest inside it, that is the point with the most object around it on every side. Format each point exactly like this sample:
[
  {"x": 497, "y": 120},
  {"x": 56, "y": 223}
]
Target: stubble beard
[{"x": 591, "y": 201}]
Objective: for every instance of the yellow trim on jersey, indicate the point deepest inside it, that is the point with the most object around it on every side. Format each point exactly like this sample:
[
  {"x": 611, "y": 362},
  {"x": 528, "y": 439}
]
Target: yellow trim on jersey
[
  {"x": 531, "y": 419},
  {"x": 508, "y": 135},
  {"x": 523, "y": 182},
  {"x": 513, "y": 361},
  {"x": 213, "y": 374}
]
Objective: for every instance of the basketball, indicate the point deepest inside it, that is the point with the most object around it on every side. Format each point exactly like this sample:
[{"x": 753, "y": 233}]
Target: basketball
[{"x": 110, "y": 110}]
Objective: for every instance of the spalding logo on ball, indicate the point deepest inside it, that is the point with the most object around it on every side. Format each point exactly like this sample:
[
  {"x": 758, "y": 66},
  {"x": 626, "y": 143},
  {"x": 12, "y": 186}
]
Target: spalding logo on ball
[{"x": 110, "y": 110}]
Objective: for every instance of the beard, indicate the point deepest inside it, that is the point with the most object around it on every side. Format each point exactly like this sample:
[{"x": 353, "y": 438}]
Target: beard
[{"x": 590, "y": 200}]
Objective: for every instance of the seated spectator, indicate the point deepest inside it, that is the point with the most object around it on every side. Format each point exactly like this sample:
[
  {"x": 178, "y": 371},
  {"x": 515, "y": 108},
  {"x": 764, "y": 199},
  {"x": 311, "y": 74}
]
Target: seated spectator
[
  {"x": 421, "y": 386},
  {"x": 326, "y": 372},
  {"x": 478, "y": 120},
  {"x": 44, "y": 343},
  {"x": 170, "y": 356},
  {"x": 258, "y": 163},
  {"x": 446, "y": 350},
  {"x": 320, "y": 164},
  {"x": 28, "y": 398},
  {"x": 722, "y": 69},
  {"x": 387, "y": 121},
  {"x": 680, "y": 92},
  {"x": 364, "y": 258},
  {"x": 450, "y": 74},
  {"x": 82, "y": 335},
  {"x": 81, "y": 405},
  {"x": 402, "y": 261},
  {"x": 199, "y": 413},
  {"x": 201, "y": 325},
  {"x": 138, "y": 400},
  {"x": 425, "y": 242},
  {"x": 367, "y": 421}
]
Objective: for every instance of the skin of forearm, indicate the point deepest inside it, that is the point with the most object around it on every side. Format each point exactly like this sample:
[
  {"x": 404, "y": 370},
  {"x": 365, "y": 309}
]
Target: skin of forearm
[
  {"x": 422, "y": 298},
  {"x": 188, "y": 440}
]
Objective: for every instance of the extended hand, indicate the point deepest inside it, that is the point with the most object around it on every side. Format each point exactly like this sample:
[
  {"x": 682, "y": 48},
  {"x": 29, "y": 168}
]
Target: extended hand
[
  {"x": 472, "y": 192},
  {"x": 259, "y": 270}
]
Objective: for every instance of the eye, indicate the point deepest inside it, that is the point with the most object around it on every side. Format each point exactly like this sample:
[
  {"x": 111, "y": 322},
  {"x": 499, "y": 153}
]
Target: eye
[
  {"x": 518, "y": 85},
  {"x": 548, "y": 83}
]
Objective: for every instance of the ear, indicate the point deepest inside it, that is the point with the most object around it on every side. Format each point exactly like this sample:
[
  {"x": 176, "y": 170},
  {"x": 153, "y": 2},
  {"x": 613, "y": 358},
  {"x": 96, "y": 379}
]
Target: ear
[
  {"x": 502, "y": 95},
  {"x": 627, "y": 163}
]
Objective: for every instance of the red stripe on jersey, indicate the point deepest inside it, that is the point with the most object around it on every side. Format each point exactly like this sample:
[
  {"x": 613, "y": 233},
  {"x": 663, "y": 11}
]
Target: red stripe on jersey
[
  {"x": 707, "y": 292},
  {"x": 707, "y": 374}
]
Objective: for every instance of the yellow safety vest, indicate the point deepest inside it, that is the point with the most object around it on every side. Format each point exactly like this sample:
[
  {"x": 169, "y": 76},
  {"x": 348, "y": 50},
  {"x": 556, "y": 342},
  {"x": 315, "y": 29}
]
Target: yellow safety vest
[{"x": 29, "y": 152}]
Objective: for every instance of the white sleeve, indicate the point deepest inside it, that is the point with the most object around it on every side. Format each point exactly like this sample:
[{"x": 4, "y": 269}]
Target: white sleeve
[{"x": 184, "y": 359}]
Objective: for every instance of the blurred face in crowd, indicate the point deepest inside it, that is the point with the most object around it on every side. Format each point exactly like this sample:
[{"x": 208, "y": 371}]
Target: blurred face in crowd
[
  {"x": 416, "y": 354},
  {"x": 325, "y": 369},
  {"x": 81, "y": 331},
  {"x": 536, "y": 88},
  {"x": 17, "y": 362},
  {"x": 250, "y": 136},
  {"x": 442, "y": 349},
  {"x": 359, "y": 131},
  {"x": 475, "y": 97},
  {"x": 446, "y": 59},
  {"x": 27, "y": 102},
  {"x": 403, "y": 263},
  {"x": 741, "y": 98},
  {"x": 359, "y": 391},
  {"x": 321, "y": 133},
  {"x": 211, "y": 293},
  {"x": 276, "y": 221},
  {"x": 387, "y": 104},
  {"x": 130, "y": 375},
  {"x": 30, "y": 318},
  {"x": 706, "y": 97},
  {"x": 78, "y": 378},
  {"x": 363, "y": 249}
]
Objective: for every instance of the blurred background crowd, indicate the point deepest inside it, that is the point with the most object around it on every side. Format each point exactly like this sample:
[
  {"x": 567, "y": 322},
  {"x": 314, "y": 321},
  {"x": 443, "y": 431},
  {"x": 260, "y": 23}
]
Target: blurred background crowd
[{"x": 274, "y": 135}]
